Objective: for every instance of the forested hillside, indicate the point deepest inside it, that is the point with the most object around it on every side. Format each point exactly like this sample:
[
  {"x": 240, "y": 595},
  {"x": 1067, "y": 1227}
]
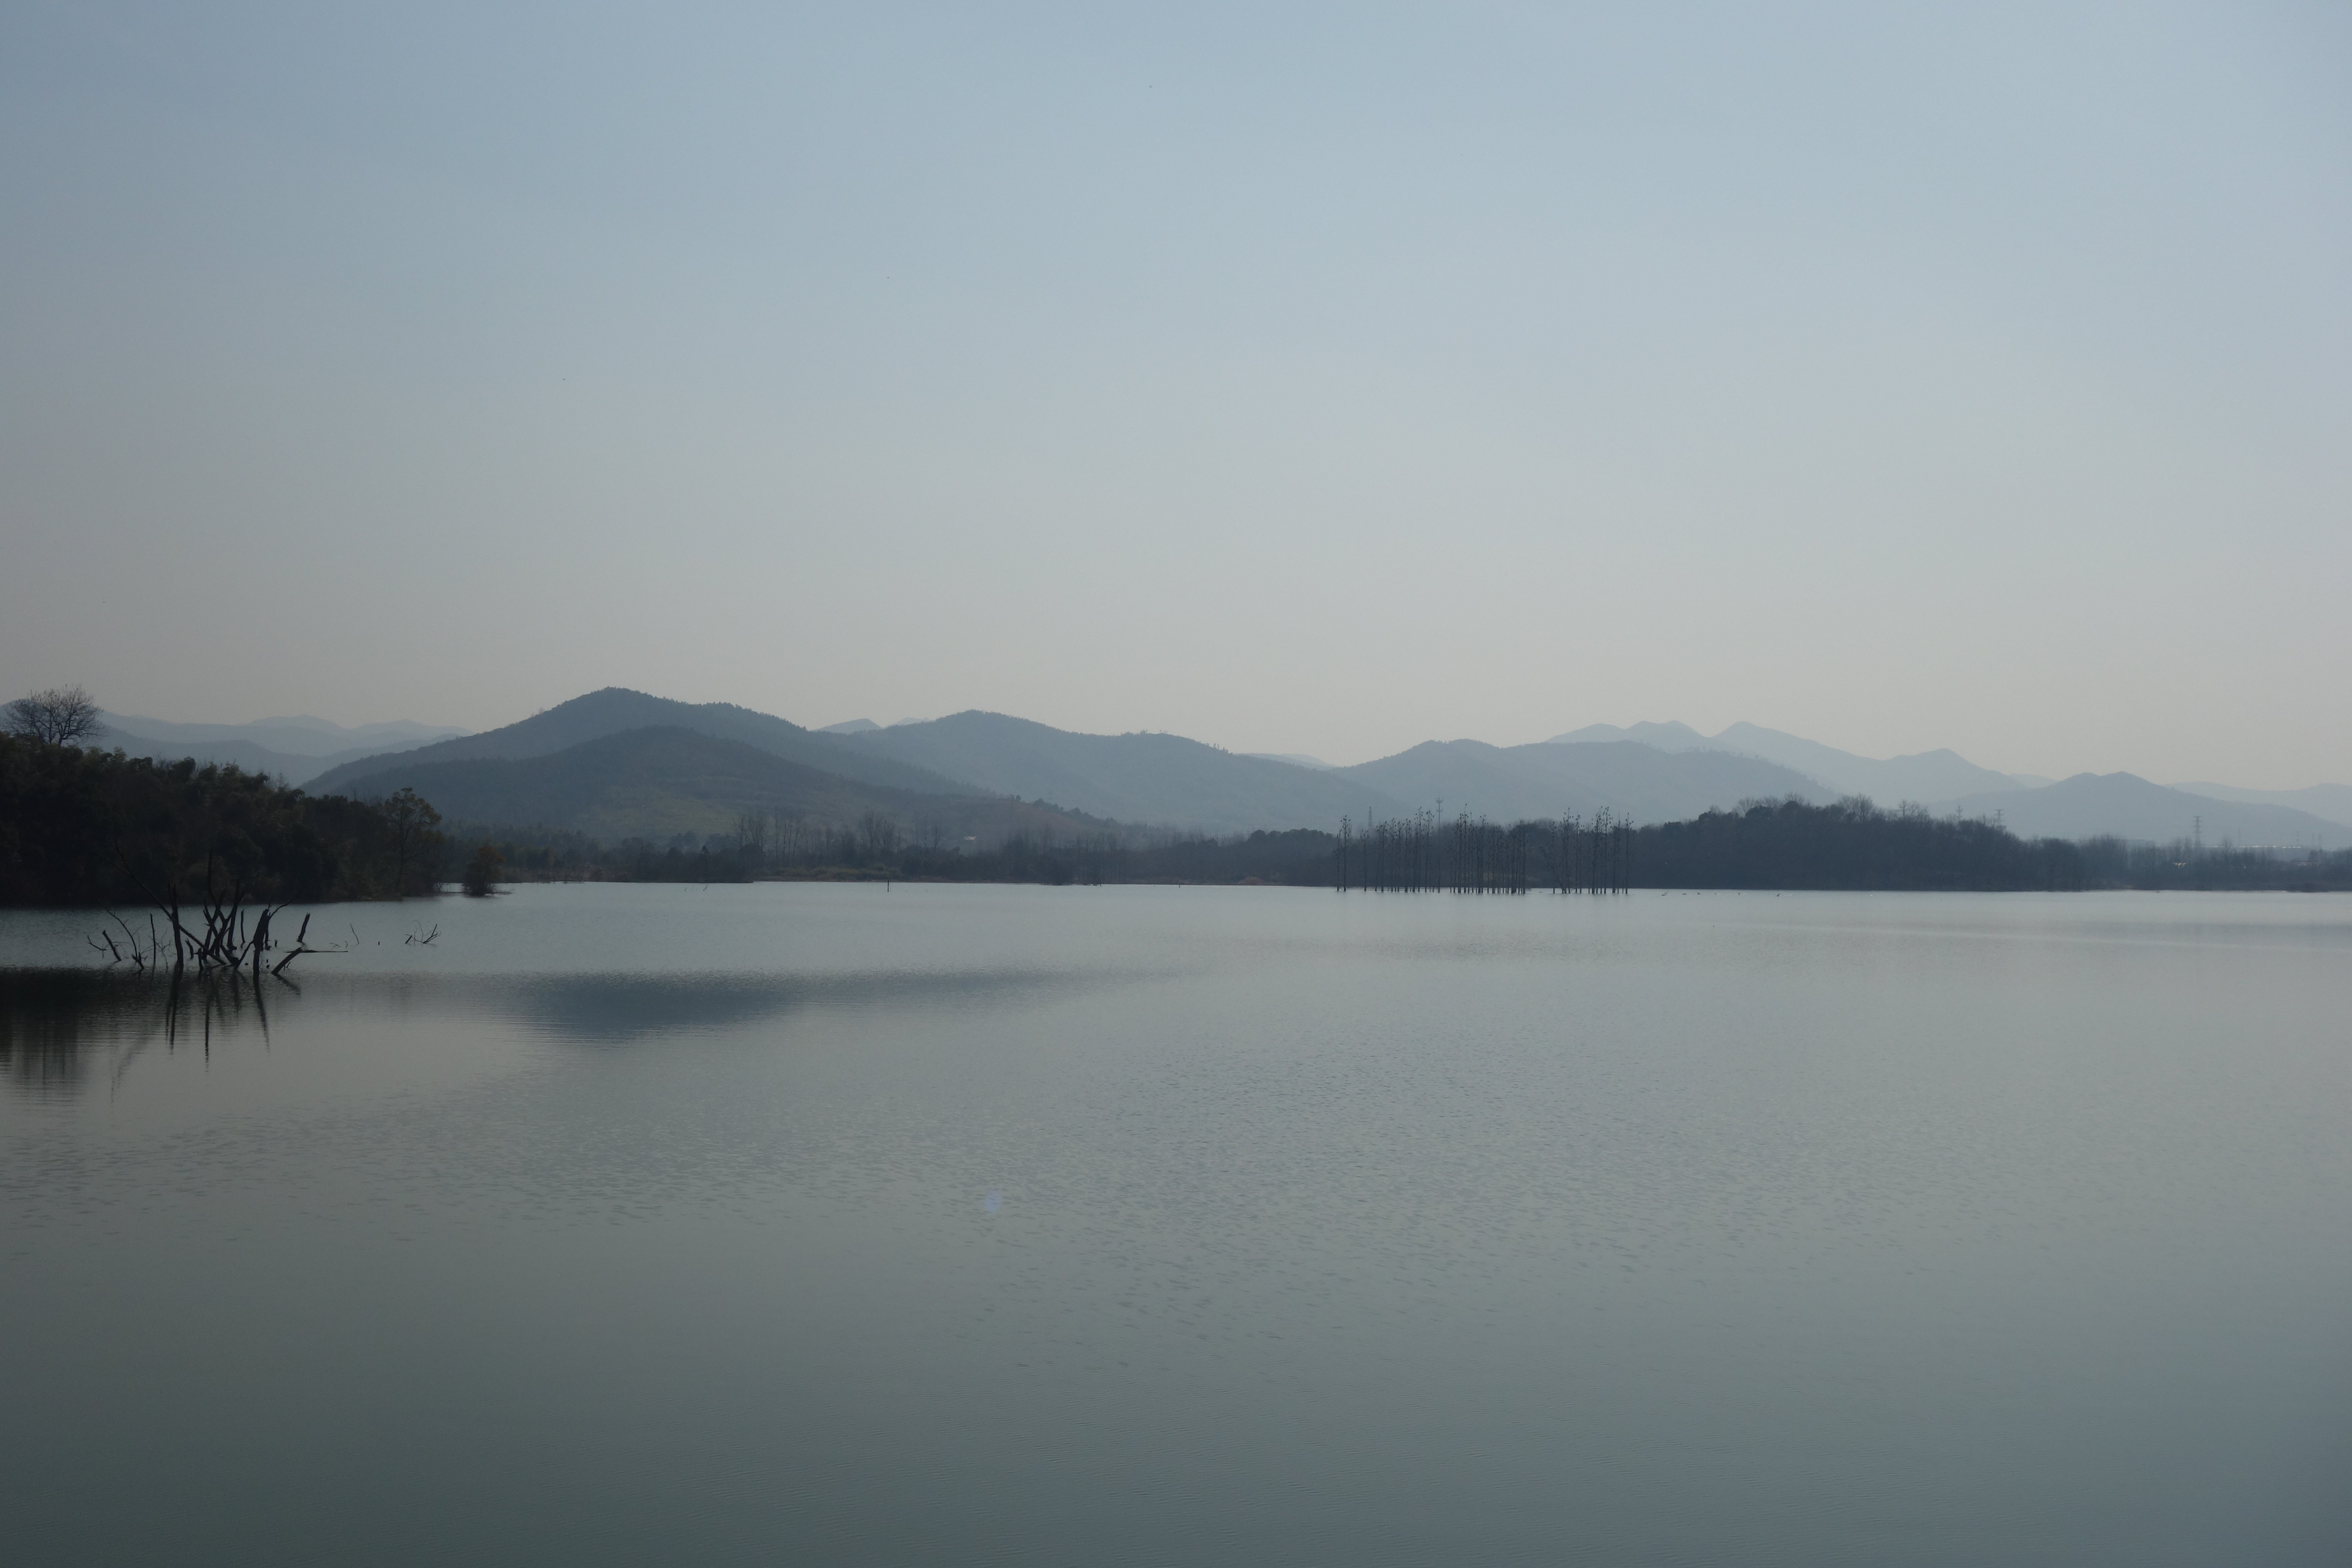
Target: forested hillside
[{"x": 1853, "y": 846}]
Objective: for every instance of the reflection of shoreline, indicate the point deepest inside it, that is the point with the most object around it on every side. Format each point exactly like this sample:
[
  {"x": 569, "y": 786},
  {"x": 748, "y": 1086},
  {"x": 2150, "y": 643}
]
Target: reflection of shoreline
[
  {"x": 609, "y": 1009},
  {"x": 53, "y": 1022}
]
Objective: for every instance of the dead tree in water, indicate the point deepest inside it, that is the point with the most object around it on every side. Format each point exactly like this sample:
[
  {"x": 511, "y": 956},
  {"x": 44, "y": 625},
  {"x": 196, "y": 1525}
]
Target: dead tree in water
[
  {"x": 1487, "y": 858},
  {"x": 221, "y": 935},
  {"x": 1393, "y": 856},
  {"x": 1592, "y": 858}
]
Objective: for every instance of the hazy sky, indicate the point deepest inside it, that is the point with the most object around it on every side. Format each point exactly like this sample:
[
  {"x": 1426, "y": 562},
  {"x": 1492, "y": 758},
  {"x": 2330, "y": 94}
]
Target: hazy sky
[{"x": 1318, "y": 379}]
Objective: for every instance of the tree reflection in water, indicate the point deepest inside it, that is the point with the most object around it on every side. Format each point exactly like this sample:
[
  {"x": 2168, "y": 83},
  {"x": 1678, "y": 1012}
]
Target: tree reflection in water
[
  {"x": 55, "y": 1024},
  {"x": 61, "y": 1027}
]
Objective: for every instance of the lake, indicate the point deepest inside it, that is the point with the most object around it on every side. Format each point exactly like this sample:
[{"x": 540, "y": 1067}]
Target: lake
[{"x": 1141, "y": 1225}]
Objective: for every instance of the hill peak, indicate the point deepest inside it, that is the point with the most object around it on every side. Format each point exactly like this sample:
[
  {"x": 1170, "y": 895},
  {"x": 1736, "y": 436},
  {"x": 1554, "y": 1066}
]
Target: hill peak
[
  {"x": 614, "y": 709},
  {"x": 1673, "y": 735}
]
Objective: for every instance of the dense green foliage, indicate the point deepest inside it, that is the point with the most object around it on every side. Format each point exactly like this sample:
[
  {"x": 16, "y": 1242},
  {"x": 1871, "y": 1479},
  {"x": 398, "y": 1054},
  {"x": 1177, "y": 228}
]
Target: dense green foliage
[
  {"x": 1855, "y": 845},
  {"x": 1787, "y": 844},
  {"x": 1852, "y": 844},
  {"x": 82, "y": 826}
]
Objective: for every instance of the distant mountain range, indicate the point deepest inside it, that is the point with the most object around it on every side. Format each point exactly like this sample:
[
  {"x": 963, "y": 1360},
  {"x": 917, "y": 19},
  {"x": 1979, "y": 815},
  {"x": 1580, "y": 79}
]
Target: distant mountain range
[
  {"x": 2131, "y": 807},
  {"x": 615, "y": 710},
  {"x": 618, "y": 763},
  {"x": 1924, "y": 776},
  {"x": 656, "y": 782},
  {"x": 2332, "y": 802},
  {"x": 298, "y": 734},
  {"x": 622, "y": 763},
  {"x": 1627, "y": 778},
  {"x": 2088, "y": 804},
  {"x": 1140, "y": 777},
  {"x": 296, "y": 749}
]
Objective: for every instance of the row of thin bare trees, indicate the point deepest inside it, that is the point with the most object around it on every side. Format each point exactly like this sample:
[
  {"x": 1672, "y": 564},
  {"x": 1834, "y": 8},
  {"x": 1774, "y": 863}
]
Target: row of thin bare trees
[
  {"x": 1472, "y": 855},
  {"x": 781, "y": 838}
]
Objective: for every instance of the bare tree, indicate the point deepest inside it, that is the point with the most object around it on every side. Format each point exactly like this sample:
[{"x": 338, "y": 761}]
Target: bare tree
[
  {"x": 880, "y": 835},
  {"x": 751, "y": 832},
  {"x": 61, "y": 716}
]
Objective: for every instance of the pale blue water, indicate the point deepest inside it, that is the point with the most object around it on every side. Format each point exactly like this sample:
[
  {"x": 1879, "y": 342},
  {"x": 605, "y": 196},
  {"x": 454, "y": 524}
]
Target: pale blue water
[{"x": 1078, "y": 1225}]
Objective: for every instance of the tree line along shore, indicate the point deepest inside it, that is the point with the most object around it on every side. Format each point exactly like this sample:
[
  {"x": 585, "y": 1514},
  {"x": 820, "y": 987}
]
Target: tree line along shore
[{"x": 81, "y": 827}]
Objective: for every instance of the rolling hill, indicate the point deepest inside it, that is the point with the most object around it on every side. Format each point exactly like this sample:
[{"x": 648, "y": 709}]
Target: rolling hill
[
  {"x": 1164, "y": 780},
  {"x": 615, "y": 710},
  {"x": 655, "y": 781}
]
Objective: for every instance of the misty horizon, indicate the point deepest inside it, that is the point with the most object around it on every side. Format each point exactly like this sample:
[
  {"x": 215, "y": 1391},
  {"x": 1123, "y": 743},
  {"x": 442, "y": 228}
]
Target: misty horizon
[
  {"x": 2029, "y": 778},
  {"x": 1903, "y": 380}
]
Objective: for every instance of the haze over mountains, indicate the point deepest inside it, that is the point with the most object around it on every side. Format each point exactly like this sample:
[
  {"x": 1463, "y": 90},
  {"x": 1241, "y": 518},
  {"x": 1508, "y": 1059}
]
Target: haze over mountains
[
  {"x": 2131, "y": 807},
  {"x": 296, "y": 749},
  {"x": 1629, "y": 780},
  {"x": 657, "y": 781},
  {"x": 615, "y": 710},
  {"x": 620, "y": 763},
  {"x": 1927, "y": 776},
  {"x": 1141, "y": 777},
  {"x": 2332, "y": 802}
]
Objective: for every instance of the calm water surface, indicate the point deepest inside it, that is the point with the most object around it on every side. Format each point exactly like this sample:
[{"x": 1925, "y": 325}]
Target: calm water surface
[{"x": 803, "y": 1224}]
